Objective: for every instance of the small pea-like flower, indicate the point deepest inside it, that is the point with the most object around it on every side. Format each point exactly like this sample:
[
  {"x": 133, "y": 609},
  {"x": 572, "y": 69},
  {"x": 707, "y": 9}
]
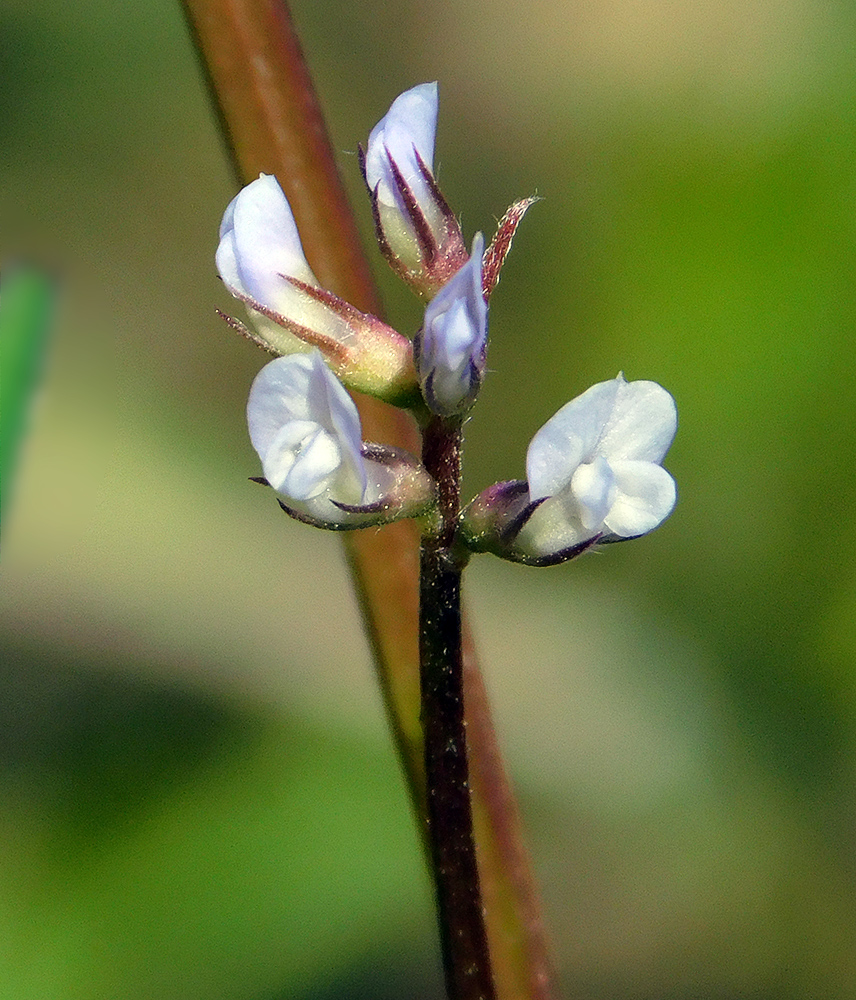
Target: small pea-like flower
[
  {"x": 260, "y": 259},
  {"x": 416, "y": 230},
  {"x": 594, "y": 475},
  {"x": 450, "y": 348},
  {"x": 306, "y": 430}
]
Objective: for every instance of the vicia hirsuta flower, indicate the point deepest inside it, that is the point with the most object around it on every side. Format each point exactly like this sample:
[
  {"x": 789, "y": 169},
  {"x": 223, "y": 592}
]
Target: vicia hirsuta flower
[
  {"x": 594, "y": 471},
  {"x": 451, "y": 347},
  {"x": 416, "y": 230},
  {"x": 306, "y": 430},
  {"x": 594, "y": 474},
  {"x": 260, "y": 259}
]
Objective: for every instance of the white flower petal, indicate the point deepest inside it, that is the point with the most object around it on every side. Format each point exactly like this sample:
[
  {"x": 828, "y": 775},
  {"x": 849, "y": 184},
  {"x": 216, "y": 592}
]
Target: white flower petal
[
  {"x": 646, "y": 495},
  {"x": 340, "y": 416},
  {"x": 226, "y": 256},
  {"x": 410, "y": 124},
  {"x": 279, "y": 458},
  {"x": 306, "y": 429},
  {"x": 259, "y": 244},
  {"x": 453, "y": 338},
  {"x": 593, "y": 485},
  {"x": 278, "y": 395},
  {"x": 228, "y": 221},
  {"x": 316, "y": 459},
  {"x": 642, "y": 424},
  {"x": 568, "y": 439}
]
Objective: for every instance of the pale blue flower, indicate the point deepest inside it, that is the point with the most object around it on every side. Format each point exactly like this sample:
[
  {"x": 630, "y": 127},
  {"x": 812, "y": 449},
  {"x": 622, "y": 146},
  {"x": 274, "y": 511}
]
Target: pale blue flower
[
  {"x": 259, "y": 251},
  {"x": 416, "y": 230},
  {"x": 594, "y": 469},
  {"x": 450, "y": 348},
  {"x": 306, "y": 430},
  {"x": 261, "y": 261},
  {"x": 404, "y": 137}
]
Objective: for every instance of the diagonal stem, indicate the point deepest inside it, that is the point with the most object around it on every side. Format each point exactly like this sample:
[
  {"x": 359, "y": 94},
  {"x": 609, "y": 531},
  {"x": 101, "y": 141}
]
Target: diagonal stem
[{"x": 272, "y": 122}]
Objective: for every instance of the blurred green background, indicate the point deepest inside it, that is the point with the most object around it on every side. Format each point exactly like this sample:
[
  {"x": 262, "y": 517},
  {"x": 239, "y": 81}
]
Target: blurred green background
[{"x": 198, "y": 798}]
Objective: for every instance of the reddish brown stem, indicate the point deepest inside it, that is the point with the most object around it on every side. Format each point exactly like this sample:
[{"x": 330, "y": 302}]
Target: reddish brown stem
[{"x": 463, "y": 937}]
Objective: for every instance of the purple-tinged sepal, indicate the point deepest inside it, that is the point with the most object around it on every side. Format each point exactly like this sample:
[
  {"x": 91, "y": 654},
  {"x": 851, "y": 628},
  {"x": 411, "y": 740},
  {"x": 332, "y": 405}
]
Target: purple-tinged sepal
[
  {"x": 451, "y": 347},
  {"x": 496, "y": 253},
  {"x": 260, "y": 259},
  {"x": 494, "y": 521},
  {"x": 306, "y": 430},
  {"x": 416, "y": 230}
]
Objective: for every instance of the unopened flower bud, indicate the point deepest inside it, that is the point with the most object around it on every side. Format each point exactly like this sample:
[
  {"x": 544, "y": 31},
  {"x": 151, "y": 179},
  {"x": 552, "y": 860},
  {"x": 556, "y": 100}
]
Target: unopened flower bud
[
  {"x": 594, "y": 475},
  {"x": 306, "y": 430},
  {"x": 451, "y": 347},
  {"x": 261, "y": 261},
  {"x": 416, "y": 230}
]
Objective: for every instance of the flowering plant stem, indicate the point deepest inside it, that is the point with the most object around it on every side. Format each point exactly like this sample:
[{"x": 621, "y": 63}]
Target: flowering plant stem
[
  {"x": 272, "y": 122},
  {"x": 466, "y": 956}
]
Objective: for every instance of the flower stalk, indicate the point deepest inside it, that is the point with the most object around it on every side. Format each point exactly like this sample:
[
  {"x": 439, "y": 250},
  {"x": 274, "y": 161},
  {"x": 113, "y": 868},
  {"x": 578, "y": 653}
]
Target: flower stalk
[{"x": 466, "y": 954}]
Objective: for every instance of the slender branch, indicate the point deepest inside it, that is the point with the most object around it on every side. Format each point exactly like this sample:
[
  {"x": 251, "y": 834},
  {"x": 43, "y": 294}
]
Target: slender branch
[
  {"x": 272, "y": 123},
  {"x": 466, "y": 956}
]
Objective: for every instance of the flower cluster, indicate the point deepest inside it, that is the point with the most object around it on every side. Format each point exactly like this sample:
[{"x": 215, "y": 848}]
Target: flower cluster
[{"x": 594, "y": 471}]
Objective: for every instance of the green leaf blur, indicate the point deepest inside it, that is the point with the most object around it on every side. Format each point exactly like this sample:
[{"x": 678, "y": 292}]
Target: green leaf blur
[{"x": 25, "y": 300}]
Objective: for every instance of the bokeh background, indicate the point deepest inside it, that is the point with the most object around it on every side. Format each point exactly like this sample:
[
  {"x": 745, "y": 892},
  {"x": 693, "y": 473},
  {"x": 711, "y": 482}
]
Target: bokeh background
[{"x": 198, "y": 798}]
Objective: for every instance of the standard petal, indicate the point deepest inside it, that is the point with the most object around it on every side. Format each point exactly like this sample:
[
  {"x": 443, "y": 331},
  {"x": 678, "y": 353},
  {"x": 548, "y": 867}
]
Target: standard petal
[
  {"x": 260, "y": 243},
  {"x": 645, "y": 496},
  {"x": 410, "y": 124},
  {"x": 642, "y": 424},
  {"x": 279, "y": 394},
  {"x": 568, "y": 439}
]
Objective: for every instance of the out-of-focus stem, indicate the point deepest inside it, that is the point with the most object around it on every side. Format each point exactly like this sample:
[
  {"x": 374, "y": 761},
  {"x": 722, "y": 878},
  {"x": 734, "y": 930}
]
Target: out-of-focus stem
[{"x": 273, "y": 123}]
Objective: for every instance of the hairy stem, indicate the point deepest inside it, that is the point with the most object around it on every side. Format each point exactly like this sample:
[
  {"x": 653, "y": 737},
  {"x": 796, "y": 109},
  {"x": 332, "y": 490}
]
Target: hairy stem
[{"x": 466, "y": 956}]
